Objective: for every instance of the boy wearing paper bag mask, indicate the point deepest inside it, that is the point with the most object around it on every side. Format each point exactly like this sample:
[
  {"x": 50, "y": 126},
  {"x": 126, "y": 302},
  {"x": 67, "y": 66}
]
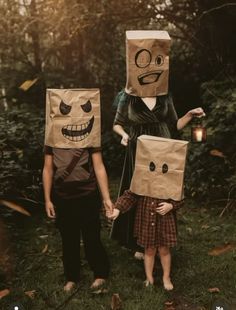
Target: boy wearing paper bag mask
[
  {"x": 157, "y": 191},
  {"x": 73, "y": 171},
  {"x": 73, "y": 118}
]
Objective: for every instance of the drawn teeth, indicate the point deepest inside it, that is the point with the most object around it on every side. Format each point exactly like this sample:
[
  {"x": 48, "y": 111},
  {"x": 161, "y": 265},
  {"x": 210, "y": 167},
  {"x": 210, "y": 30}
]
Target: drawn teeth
[
  {"x": 76, "y": 138},
  {"x": 77, "y": 133}
]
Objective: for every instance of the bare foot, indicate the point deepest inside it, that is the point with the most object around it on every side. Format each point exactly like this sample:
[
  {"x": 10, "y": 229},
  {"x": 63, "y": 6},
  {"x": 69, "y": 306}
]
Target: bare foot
[
  {"x": 69, "y": 286},
  {"x": 97, "y": 283},
  {"x": 167, "y": 284},
  {"x": 139, "y": 255},
  {"x": 148, "y": 283}
]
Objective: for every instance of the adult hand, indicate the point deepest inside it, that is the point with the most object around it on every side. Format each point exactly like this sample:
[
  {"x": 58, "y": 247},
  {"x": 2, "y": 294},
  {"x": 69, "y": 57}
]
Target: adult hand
[
  {"x": 198, "y": 112},
  {"x": 50, "y": 209},
  {"x": 125, "y": 139},
  {"x": 115, "y": 213},
  {"x": 164, "y": 207}
]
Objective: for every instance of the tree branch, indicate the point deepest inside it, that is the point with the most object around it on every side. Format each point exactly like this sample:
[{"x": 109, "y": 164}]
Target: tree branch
[{"x": 204, "y": 13}]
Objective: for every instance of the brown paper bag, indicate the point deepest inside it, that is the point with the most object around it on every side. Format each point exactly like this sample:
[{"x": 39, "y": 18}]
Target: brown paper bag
[
  {"x": 147, "y": 63},
  {"x": 73, "y": 118},
  {"x": 159, "y": 168}
]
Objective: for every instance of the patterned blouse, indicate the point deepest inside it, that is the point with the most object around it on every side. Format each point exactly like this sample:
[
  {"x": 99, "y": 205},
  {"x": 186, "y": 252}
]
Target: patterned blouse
[{"x": 150, "y": 228}]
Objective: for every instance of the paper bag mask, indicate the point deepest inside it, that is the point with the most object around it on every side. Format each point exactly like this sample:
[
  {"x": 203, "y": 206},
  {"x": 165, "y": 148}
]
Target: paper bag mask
[
  {"x": 159, "y": 168},
  {"x": 147, "y": 63},
  {"x": 73, "y": 118}
]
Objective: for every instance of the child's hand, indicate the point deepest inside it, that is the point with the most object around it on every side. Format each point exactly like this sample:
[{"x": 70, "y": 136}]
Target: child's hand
[
  {"x": 164, "y": 207},
  {"x": 108, "y": 205},
  {"x": 114, "y": 214},
  {"x": 50, "y": 209}
]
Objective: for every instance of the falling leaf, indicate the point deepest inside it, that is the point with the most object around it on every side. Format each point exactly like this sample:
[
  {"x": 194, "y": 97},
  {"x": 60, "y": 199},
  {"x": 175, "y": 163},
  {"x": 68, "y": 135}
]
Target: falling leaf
[
  {"x": 217, "y": 153},
  {"x": 14, "y": 206},
  {"x": 116, "y": 302},
  {"x": 31, "y": 294},
  {"x": 44, "y": 250},
  {"x": 4, "y": 293},
  {"x": 27, "y": 84},
  {"x": 214, "y": 290},
  {"x": 222, "y": 249}
]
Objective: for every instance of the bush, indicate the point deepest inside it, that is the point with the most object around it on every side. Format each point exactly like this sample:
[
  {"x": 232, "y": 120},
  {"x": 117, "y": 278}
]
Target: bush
[
  {"x": 211, "y": 167},
  {"x": 113, "y": 153},
  {"x": 21, "y": 146}
]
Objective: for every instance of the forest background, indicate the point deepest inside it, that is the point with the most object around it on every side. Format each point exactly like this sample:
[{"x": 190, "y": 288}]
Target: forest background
[
  {"x": 81, "y": 43},
  {"x": 76, "y": 44}
]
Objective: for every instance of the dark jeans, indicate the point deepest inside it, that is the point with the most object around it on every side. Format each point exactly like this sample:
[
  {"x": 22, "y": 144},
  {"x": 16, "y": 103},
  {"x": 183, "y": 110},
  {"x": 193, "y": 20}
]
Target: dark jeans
[{"x": 76, "y": 217}]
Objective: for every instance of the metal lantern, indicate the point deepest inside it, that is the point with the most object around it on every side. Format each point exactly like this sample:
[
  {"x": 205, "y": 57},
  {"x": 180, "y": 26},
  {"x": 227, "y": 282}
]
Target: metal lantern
[{"x": 198, "y": 132}]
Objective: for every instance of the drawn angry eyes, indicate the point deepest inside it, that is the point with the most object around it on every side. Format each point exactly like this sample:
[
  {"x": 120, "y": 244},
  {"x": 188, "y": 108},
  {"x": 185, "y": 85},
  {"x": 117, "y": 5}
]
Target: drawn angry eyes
[
  {"x": 65, "y": 108},
  {"x": 152, "y": 167},
  {"x": 143, "y": 59}
]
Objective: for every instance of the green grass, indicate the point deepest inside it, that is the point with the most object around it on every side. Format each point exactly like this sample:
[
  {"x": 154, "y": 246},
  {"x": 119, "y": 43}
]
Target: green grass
[{"x": 193, "y": 270}]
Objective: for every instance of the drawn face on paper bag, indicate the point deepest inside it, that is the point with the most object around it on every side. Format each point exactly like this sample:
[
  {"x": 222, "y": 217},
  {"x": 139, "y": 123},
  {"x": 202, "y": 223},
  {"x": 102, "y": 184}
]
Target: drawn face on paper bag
[
  {"x": 77, "y": 132},
  {"x": 143, "y": 59},
  {"x": 159, "y": 167},
  {"x": 147, "y": 63},
  {"x": 73, "y": 118}
]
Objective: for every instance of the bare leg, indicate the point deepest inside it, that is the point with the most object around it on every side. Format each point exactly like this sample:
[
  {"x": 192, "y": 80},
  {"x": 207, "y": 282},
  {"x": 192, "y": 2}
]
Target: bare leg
[
  {"x": 165, "y": 258},
  {"x": 149, "y": 259}
]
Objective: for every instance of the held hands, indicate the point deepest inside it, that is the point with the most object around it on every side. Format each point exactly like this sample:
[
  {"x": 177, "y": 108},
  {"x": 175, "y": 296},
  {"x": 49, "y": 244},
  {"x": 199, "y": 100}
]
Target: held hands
[
  {"x": 198, "y": 112},
  {"x": 114, "y": 214},
  {"x": 109, "y": 206},
  {"x": 164, "y": 207},
  {"x": 125, "y": 139},
  {"x": 50, "y": 209}
]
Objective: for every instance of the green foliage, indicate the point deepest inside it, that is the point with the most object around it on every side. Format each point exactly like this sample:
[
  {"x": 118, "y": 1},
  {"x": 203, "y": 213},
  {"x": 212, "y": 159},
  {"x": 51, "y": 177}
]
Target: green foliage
[
  {"x": 21, "y": 147},
  {"x": 81, "y": 43},
  {"x": 113, "y": 153},
  {"x": 210, "y": 173}
]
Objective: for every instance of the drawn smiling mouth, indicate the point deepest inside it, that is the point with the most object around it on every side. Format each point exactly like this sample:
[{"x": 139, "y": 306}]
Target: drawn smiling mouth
[
  {"x": 150, "y": 77},
  {"x": 77, "y": 133}
]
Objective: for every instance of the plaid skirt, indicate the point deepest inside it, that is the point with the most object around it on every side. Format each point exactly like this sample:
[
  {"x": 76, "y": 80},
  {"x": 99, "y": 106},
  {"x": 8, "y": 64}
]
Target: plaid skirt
[{"x": 152, "y": 229}]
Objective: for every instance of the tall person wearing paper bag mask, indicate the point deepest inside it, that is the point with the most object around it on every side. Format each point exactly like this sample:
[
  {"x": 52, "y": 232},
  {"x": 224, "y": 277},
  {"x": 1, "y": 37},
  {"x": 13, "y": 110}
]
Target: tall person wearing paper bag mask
[
  {"x": 157, "y": 191},
  {"x": 144, "y": 107}
]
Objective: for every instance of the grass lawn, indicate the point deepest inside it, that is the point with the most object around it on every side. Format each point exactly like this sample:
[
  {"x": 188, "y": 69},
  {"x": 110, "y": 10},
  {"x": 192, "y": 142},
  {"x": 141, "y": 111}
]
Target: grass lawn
[{"x": 38, "y": 267}]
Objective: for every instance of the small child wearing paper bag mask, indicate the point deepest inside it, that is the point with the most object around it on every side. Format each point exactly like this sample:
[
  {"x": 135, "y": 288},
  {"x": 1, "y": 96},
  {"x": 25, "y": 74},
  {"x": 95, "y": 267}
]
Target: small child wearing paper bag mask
[{"x": 157, "y": 192}]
